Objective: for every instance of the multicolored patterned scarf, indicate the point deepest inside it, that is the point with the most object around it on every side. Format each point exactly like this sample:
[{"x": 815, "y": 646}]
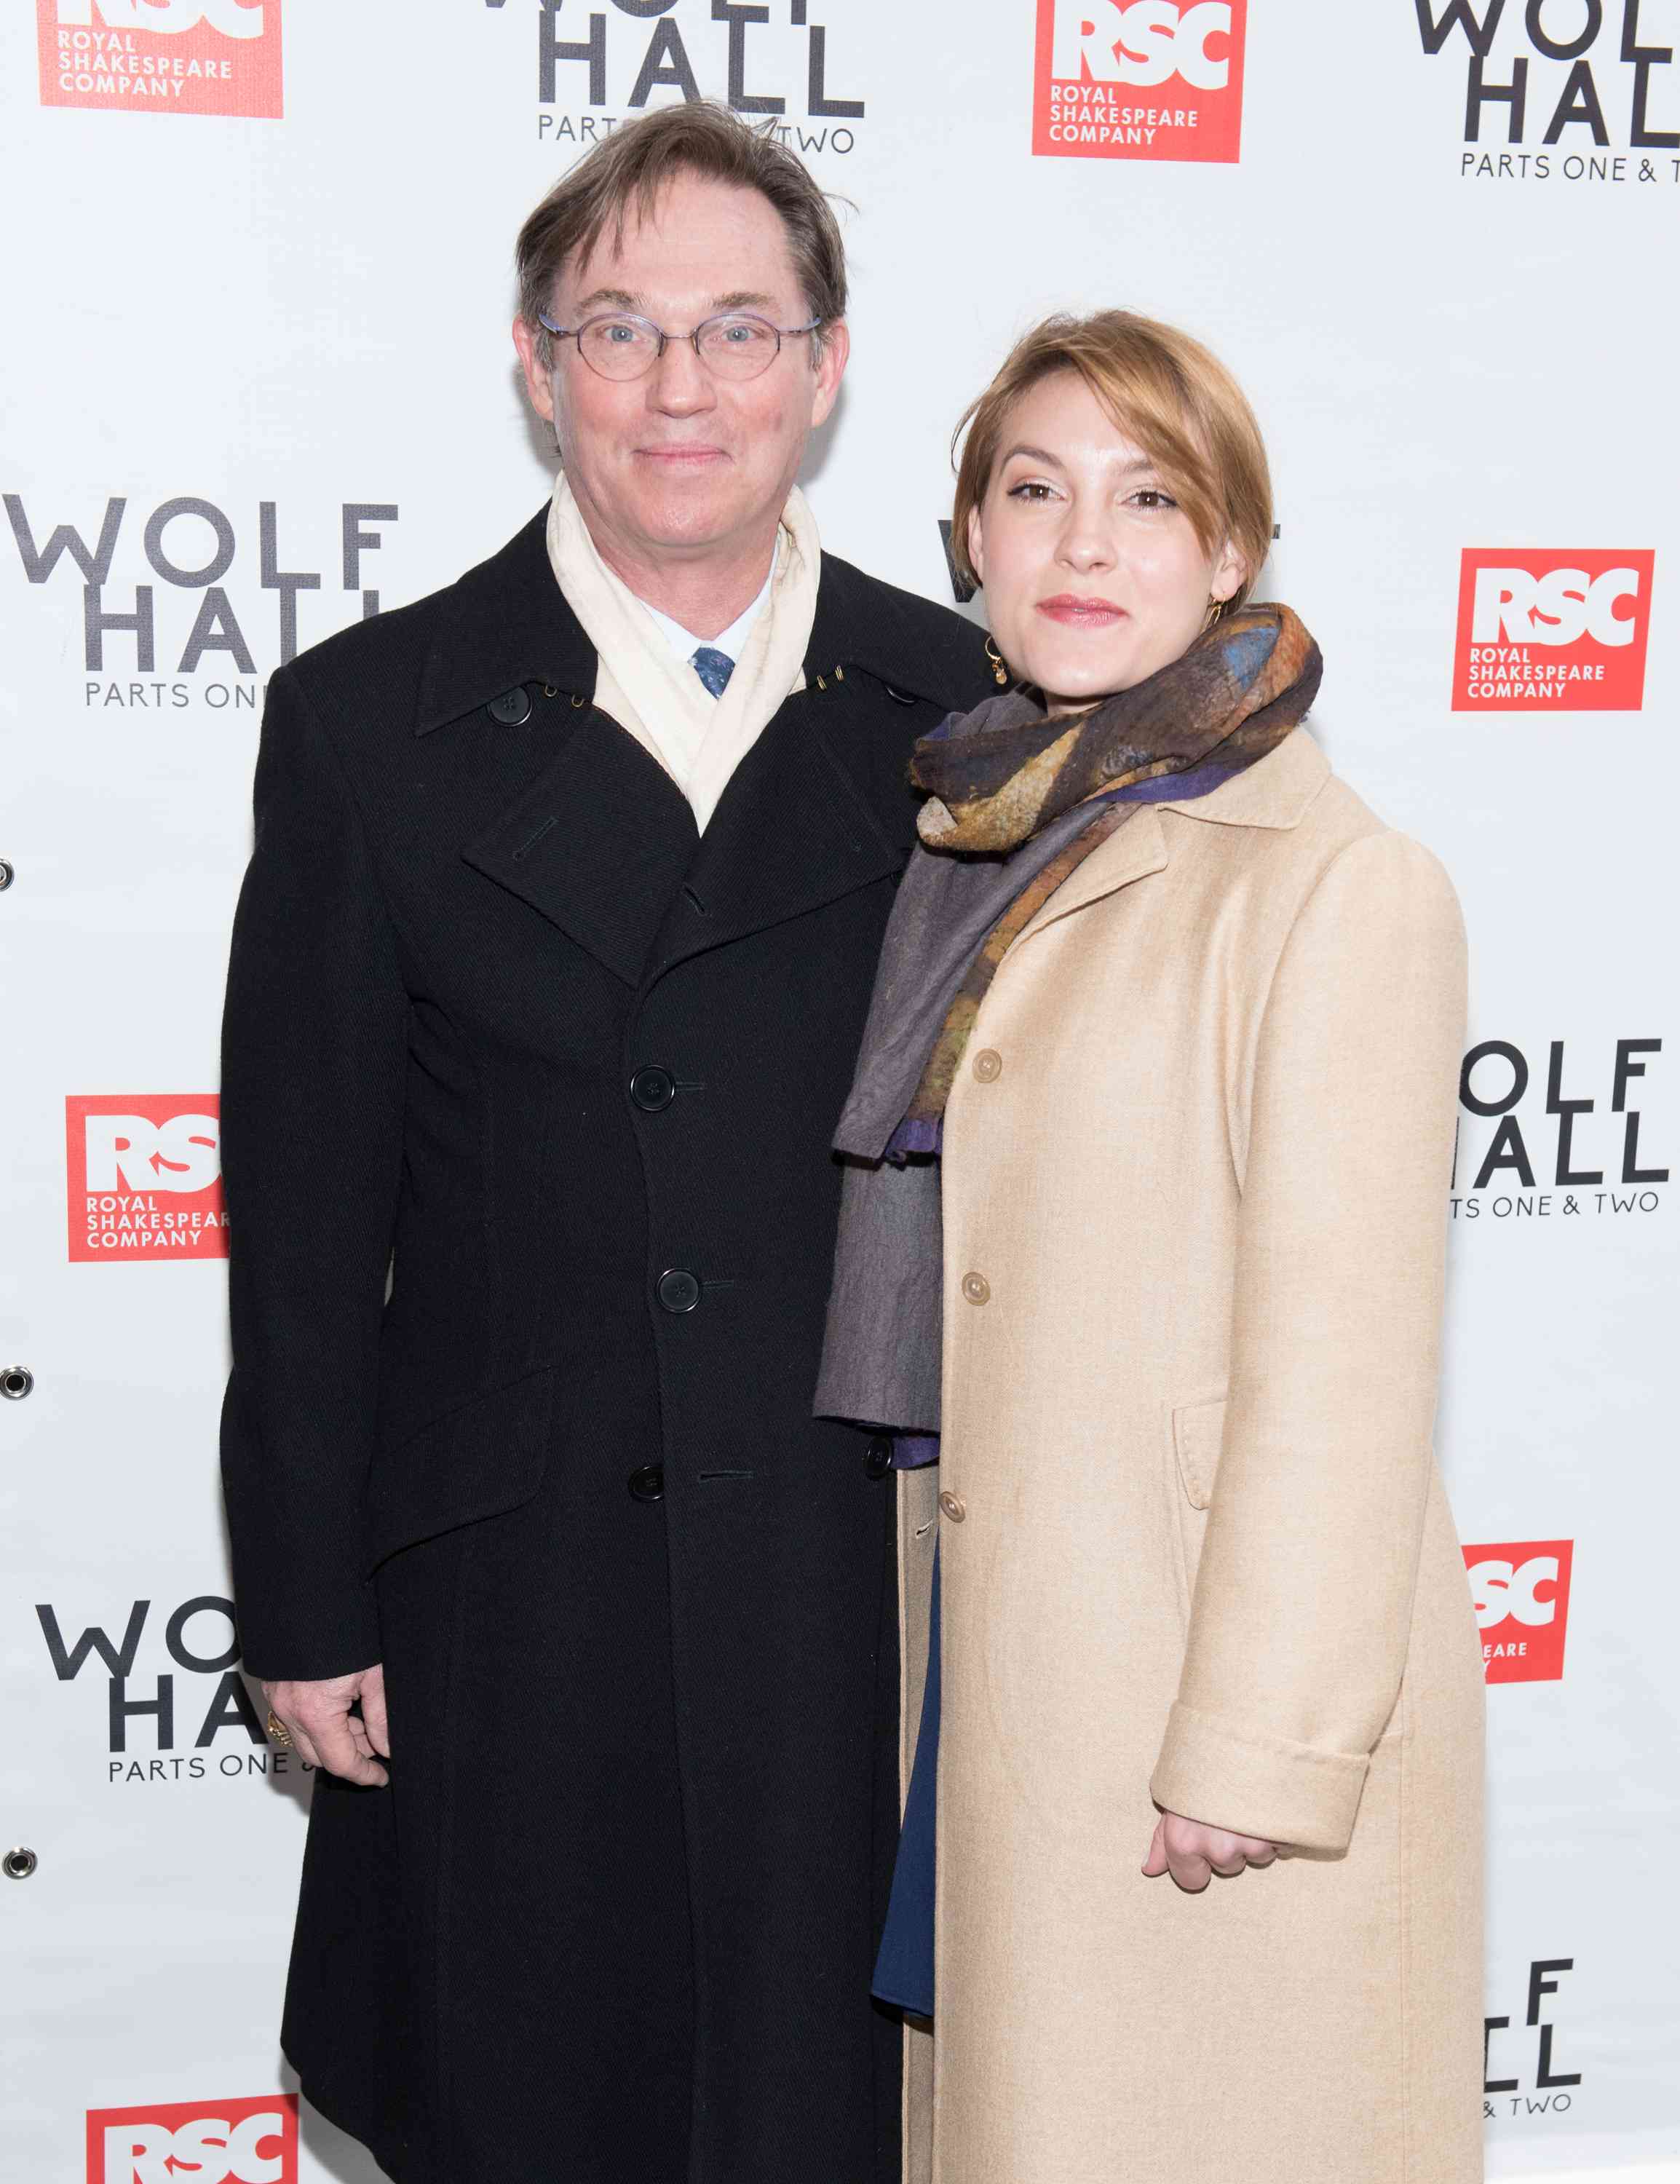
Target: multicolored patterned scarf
[
  {"x": 1019, "y": 800},
  {"x": 994, "y": 784}
]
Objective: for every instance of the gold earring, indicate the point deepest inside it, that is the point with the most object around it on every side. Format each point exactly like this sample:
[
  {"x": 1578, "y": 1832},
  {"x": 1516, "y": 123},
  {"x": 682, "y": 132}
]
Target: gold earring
[
  {"x": 1000, "y": 669},
  {"x": 1216, "y": 609}
]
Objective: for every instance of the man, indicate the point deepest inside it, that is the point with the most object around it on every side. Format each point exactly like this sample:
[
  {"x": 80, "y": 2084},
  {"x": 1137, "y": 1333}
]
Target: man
[{"x": 546, "y": 986}]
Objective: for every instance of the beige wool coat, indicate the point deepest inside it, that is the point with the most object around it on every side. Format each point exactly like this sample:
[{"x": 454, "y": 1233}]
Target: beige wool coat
[{"x": 1195, "y": 1548}]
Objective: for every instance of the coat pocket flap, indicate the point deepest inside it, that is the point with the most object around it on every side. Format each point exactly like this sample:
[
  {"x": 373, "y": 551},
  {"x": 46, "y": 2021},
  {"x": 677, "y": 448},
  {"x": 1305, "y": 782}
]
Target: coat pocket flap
[
  {"x": 485, "y": 1456},
  {"x": 1198, "y": 1432}
]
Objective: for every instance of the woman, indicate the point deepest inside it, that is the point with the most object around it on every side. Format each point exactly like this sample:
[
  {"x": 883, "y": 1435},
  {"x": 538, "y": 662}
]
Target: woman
[{"x": 1169, "y": 1024}]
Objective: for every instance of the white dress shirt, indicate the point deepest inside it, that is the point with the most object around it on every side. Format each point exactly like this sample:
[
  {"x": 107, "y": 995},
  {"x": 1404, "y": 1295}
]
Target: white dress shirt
[{"x": 730, "y": 642}]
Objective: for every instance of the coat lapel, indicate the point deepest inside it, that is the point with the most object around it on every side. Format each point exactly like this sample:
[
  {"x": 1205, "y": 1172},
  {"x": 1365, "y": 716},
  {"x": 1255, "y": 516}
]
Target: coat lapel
[
  {"x": 791, "y": 832},
  {"x": 599, "y": 838},
  {"x": 602, "y": 843},
  {"x": 1276, "y": 792},
  {"x": 598, "y": 844},
  {"x": 794, "y": 829},
  {"x": 505, "y": 622},
  {"x": 1136, "y": 851}
]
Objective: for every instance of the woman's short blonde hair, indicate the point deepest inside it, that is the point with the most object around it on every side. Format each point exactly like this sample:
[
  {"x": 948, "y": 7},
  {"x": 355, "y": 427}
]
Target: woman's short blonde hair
[{"x": 1165, "y": 390}]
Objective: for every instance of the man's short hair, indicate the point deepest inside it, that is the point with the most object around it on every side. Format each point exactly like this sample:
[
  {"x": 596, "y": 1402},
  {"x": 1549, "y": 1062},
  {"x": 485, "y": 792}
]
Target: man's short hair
[{"x": 627, "y": 172}]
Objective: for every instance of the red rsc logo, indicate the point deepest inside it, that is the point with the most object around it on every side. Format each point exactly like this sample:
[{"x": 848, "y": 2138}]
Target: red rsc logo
[
  {"x": 1519, "y": 1591},
  {"x": 1139, "y": 79},
  {"x": 1552, "y": 630},
  {"x": 162, "y": 56},
  {"x": 250, "y": 2141},
  {"x": 144, "y": 1176}
]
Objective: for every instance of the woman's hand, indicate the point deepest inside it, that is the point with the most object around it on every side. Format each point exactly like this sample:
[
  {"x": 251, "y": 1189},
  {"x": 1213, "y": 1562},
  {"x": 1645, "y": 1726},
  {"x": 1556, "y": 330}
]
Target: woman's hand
[{"x": 1192, "y": 1852}]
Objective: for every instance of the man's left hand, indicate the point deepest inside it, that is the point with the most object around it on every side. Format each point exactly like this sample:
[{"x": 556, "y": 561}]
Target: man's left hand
[{"x": 325, "y": 1733}]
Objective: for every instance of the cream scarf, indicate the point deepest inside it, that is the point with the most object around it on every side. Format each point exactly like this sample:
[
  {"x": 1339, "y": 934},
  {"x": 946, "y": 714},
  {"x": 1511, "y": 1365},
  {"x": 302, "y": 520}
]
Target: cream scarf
[{"x": 698, "y": 739}]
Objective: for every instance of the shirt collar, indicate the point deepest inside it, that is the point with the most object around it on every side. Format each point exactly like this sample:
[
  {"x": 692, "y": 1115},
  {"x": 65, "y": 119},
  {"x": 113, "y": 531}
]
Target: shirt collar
[{"x": 730, "y": 642}]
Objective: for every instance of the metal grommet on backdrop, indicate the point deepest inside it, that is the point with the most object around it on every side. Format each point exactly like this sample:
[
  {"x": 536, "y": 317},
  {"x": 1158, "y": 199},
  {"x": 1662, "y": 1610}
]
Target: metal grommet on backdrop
[
  {"x": 7, "y": 875},
  {"x": 20, "y": 1863},
  {"x": 16, "y": 1381}
]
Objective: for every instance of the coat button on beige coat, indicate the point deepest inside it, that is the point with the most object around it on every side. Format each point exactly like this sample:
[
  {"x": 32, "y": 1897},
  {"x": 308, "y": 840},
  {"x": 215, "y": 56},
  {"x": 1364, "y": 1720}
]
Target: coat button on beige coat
[
  {"x": 954, "y": 1506},
  {"x": 988, "y": 1065},
  {"x": 976, "y": 1289}
]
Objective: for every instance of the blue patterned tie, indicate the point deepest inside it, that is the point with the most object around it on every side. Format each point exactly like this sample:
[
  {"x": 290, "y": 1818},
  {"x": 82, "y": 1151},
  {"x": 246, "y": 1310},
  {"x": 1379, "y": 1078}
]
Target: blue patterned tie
[{"x": 713, "y": 668}]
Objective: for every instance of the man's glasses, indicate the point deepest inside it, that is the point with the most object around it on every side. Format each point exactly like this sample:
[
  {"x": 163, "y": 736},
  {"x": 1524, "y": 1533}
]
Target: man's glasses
[{"x": 732, "y": 345}]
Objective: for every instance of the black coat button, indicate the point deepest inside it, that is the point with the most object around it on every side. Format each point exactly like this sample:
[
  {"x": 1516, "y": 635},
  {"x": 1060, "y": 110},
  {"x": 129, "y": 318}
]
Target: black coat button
[
  {"x": 648, "y": 1485},
  {"x": 679, "y": 1291},
  {"x": 878, "y": 1457},
  {"x": 512, "y": 708},
  {"x": 652, "y": 1090}
]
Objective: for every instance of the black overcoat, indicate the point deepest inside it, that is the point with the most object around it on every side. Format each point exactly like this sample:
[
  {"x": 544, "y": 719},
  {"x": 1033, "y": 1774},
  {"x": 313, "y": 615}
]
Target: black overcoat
[{"x": 527, "y": 1094}]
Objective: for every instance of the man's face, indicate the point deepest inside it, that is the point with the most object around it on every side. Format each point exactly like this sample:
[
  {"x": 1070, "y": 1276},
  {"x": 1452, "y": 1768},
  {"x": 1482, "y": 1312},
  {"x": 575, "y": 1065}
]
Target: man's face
[{"x": 679, "y": 464}]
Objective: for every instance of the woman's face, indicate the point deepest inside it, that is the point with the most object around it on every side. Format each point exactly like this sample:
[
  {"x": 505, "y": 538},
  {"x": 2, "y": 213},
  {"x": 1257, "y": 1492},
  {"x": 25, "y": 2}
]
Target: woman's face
[{"x": 1095, "y": 577}]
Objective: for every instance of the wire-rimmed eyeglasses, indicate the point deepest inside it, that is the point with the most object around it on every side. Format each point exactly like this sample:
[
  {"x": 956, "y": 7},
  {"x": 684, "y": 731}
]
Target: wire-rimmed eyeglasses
[{"x": 730, "y": 344}]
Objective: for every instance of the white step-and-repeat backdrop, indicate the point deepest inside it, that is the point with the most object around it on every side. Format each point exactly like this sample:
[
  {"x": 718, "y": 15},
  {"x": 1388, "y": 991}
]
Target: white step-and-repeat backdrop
[{"x": 259, "y": 384}]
